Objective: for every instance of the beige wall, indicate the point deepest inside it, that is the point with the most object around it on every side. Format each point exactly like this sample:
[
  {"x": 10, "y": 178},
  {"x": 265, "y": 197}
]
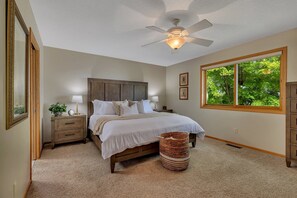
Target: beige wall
[
  {"x": 66, "y": 74},
  {"x": 261, "y": 130},
  {"x": 14, "y": 143}
]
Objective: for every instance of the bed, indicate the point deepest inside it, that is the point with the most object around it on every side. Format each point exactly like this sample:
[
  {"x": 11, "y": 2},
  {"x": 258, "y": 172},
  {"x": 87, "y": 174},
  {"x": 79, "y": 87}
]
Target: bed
[{"x": 115, "y": 90}]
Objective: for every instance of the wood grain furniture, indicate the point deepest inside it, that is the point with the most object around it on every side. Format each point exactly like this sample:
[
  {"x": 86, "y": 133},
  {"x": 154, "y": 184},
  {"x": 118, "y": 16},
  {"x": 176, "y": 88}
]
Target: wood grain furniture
[
  {"x": 291, "y": 123},
  {"x": 68, "y": 129},
  {"x": 117, "y": 90}
]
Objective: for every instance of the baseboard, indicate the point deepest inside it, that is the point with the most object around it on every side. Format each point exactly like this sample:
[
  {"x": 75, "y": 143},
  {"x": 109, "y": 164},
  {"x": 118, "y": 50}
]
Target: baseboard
[
  {"x": 27, "y": 189},
  {"x": 246, "y": 146}
]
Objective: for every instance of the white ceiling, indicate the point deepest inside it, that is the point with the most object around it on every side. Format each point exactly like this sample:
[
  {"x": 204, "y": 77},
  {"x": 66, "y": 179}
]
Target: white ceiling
[{"x": 116, "y": 28}]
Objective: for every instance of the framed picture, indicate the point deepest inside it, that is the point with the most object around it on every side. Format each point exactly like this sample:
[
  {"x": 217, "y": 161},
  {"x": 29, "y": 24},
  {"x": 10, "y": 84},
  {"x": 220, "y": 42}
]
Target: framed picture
[
  {"x": 184, "y": 79},
  {"x": 16, "y": 66},
  {"x": 183, "y": 93}
]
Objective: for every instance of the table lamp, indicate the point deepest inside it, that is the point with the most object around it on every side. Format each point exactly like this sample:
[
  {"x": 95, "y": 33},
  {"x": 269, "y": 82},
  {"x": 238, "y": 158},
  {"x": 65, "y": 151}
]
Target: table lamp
[{"x": 77, "y": 99}]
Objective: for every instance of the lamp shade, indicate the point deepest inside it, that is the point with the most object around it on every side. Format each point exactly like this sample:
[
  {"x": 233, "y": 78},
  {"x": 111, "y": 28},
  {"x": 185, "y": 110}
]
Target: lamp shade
[
  {"x": 175, "y": 42},
  {"x": 77, "y": 99},
  {"x": 155, "y": 98}
]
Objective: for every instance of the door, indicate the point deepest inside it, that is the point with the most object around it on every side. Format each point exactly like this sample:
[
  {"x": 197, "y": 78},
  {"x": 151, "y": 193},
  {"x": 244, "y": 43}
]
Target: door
[{"x": 34, "y": 99}]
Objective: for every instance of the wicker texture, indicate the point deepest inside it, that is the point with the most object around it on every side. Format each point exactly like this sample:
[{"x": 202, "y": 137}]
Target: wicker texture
[{"x": 174, "y": 150}]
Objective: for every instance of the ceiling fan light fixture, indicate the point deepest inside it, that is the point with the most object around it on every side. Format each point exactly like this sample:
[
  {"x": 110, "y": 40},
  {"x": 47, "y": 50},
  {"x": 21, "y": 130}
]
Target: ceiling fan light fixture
[
  {"x": 177, "y": 36},
  {"x": 175, "y": 42}
]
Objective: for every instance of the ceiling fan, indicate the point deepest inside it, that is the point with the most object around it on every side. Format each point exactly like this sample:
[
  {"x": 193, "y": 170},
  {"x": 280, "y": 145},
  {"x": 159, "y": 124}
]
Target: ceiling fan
[{"x": 177, "y": 36}]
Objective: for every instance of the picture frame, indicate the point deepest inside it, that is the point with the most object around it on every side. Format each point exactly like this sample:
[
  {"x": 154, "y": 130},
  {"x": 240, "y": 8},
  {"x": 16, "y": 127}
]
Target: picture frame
[
  {"x": 184, "y": 79},
  {"x": 17, "y": 52},
  {"x": 183, "y": 93}
]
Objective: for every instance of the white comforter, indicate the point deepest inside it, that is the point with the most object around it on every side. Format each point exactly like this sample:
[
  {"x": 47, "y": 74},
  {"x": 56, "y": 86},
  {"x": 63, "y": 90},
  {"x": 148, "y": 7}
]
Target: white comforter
[{"x": 119, "y": 135}]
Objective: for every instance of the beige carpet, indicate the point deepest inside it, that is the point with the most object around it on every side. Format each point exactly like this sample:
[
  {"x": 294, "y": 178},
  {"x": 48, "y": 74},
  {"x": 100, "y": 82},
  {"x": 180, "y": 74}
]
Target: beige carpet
[{"x": 215, "y": 170}]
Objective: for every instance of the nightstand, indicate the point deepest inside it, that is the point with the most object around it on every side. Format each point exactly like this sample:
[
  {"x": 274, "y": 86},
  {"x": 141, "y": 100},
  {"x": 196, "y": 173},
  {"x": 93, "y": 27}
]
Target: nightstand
[
  {"x": 167, "y": 110},
  {"x": 68, "y": 129}
]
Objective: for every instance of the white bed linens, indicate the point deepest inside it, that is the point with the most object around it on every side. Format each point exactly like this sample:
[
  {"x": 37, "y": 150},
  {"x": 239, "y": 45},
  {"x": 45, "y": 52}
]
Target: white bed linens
[{"x": 119, "y": 135}]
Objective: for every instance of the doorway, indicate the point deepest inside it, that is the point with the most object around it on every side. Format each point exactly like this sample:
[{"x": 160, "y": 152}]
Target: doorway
[{"x": 34, "y": 100}]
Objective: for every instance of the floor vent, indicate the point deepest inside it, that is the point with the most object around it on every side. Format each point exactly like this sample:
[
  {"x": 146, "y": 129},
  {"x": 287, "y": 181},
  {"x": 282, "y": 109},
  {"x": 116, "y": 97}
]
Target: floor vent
[{"x": 234, "y": 146}]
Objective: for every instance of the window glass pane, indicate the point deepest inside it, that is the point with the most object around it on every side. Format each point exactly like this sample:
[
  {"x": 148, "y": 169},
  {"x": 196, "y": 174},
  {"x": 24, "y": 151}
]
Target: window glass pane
[
  {"x": 259, "y": 82},
  {"x": 220, "y": 85}
]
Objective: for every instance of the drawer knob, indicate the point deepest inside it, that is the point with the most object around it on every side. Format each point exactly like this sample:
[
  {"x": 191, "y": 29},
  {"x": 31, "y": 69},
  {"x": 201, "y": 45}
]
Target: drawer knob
[
  {"x": 70, "y": 134},
  {"x": 68, "y": 123}
]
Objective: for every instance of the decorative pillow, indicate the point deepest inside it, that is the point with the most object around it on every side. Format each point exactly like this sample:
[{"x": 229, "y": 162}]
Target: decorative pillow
[
  {"x": 103, "y": 107},
  {"x": 144, "y": 106},
  {"x": 117, "y": 106},
  {"x": 126, "y": 110},
  {"x": 132, "y": 102}
]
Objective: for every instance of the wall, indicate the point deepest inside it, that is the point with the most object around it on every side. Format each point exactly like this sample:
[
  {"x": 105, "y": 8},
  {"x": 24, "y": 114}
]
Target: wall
[
  {"x": 260, "y": 130},
  {"x": 67, "y": 72},
  {"x": 15, "y": 142}
]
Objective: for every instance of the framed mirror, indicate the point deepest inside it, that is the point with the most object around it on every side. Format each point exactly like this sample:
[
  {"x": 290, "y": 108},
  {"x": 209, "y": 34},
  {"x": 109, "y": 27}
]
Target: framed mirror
[{"x": 16, "y": 66}]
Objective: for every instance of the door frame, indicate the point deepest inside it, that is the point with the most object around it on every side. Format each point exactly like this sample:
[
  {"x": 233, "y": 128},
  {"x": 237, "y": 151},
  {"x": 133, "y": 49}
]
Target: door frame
[{"x": 34, "y": 100}]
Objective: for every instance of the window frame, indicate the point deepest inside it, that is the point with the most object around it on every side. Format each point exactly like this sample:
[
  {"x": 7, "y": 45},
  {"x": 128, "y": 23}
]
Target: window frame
[{"x": 235, "y": 107}]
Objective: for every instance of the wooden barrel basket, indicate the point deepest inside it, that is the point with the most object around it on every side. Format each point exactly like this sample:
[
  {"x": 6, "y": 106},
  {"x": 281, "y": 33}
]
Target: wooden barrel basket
[{"x": 174, "y": 150}]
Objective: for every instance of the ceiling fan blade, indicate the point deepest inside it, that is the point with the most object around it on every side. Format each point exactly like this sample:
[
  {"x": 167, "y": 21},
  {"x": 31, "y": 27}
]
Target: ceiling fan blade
[
  {"x": 201, "y": 25},
  {"x": 199, "y": 41},
  {"x": 156, "y": 29},
  {"x": 160, "y": 41}
]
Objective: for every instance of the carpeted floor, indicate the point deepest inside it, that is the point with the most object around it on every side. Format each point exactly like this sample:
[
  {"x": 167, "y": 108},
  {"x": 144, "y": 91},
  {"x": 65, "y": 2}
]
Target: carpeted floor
[{"x": 215, "y": 170}]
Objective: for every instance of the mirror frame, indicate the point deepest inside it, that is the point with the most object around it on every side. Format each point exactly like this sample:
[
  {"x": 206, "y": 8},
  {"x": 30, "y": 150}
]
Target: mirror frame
[{"x": 12, "y": 13}]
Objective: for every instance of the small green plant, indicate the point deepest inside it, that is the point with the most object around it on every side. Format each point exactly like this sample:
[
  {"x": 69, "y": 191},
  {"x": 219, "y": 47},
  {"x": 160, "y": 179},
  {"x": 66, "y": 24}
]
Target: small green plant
[
  {"x": 57, "y": 109},
  {"x": 19, "y": 109}
]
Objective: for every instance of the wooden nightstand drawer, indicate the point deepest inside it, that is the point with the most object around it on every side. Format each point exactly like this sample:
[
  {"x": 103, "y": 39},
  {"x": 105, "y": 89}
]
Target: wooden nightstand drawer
[
  {"x": 67, "y": 136},
  {"x": 70, "y": 123},
  {"x": 68, "y": 129}
]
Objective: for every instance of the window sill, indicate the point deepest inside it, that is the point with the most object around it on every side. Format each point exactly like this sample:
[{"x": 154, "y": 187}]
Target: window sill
[{"x": 271, "y": 110}]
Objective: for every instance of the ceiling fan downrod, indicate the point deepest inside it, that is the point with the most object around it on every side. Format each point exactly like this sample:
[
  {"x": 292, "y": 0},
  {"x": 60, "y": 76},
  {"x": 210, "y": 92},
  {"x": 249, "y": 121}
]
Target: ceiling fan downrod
[{"x": 175, "y": 21}]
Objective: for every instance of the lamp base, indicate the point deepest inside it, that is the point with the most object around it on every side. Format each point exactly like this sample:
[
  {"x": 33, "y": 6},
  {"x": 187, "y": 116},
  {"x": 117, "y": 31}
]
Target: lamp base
[{"x": 76, "y": 110}]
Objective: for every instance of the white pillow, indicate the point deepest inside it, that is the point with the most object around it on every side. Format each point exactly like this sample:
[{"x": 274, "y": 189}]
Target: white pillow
[
  {"x": 103, "y": 107},
  {"x": 126, "y": 110},
  {"x": 144, "y": 106}
]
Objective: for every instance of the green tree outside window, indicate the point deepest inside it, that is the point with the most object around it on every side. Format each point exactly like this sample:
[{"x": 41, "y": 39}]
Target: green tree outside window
[
  {"x": 258, "y": 83},
  {"x": 220, "y": 85}
]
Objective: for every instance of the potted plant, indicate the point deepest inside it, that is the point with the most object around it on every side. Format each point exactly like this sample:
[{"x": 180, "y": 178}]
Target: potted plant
[{"x": 57, "y": 109}]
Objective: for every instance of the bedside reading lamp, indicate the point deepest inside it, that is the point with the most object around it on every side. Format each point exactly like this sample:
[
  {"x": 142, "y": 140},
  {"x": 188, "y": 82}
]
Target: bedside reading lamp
[
  {"x": 155, "y": 100},
  {"x": 77, "y": 99}
]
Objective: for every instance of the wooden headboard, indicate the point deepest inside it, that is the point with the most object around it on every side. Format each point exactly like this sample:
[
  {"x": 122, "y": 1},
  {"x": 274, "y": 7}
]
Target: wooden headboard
[{"x": 115, "y": 90}]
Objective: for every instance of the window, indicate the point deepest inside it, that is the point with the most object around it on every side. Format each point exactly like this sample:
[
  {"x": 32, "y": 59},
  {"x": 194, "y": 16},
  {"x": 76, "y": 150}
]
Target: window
[
  {"x": 220, "y": 85},
  {"x": 251, "y": 83}
]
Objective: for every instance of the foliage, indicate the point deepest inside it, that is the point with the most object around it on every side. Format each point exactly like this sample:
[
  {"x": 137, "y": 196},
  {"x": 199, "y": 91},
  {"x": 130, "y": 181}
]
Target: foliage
[
  {"x": 220, "y": 88},
  {"x": 57, "y": 108},
  {"x": 258, "y": 83},
  {"x": 19, "y": 110}
]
